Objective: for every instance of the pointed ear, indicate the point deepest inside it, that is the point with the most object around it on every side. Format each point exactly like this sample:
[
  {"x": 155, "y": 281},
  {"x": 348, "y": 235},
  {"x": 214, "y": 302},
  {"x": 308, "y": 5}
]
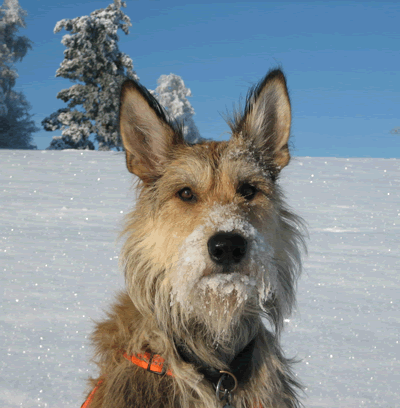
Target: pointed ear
[
  {"x": 266, "y": 120},
  {"x": 147, "y": 135}
]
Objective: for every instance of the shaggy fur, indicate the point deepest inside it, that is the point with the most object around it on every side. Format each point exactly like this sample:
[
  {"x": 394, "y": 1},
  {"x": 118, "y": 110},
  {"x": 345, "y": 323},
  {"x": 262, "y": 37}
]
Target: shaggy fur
[{"x": 176, "y": 294}]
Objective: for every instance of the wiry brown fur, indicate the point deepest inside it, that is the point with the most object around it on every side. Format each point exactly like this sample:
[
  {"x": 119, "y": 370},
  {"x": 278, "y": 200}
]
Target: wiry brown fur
[{"x": 170, "y": 298}]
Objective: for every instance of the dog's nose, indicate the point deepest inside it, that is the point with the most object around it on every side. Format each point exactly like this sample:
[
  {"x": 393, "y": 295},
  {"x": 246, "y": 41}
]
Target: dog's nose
[{"x": 226, "y": 248}]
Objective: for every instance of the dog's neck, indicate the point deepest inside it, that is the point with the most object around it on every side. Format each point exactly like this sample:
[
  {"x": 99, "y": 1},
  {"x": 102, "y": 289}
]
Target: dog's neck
[
  {"x": 233, "y": 354},
  {"x": 240, "y": 365}
]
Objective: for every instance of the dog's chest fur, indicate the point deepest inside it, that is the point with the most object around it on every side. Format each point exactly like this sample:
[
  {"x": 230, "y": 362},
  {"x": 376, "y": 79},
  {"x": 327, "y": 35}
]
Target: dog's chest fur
[{"x": 129, "y": 386}]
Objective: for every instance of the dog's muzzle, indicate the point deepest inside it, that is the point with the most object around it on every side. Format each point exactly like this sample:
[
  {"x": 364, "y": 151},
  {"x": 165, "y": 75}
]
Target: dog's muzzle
[{"x": 227, "y": 248}]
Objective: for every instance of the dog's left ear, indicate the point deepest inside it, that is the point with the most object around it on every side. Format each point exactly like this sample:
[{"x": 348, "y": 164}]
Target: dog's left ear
[{"x": 266, "y": 120}]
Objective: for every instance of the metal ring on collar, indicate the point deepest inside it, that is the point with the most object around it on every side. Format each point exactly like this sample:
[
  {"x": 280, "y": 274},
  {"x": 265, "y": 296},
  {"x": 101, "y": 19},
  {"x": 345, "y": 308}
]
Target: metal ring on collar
[{"x": 225, "y": 391}]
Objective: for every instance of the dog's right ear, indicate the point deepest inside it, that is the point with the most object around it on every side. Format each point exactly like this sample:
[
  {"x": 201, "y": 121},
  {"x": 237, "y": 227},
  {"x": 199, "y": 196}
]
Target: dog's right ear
[{"x": 146, "y": 132}]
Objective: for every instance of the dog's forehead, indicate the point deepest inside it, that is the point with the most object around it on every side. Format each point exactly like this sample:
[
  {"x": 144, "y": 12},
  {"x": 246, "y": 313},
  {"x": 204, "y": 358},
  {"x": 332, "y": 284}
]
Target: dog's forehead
[{"x": 208, "y": 162}]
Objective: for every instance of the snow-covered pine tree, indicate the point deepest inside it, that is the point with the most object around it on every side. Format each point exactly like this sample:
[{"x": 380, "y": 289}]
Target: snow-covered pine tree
[
  {"x": 3, "y": 106},
  {"x": 16, "y": 125},
  {"x": 92, "y": 58},
  {"x": 172, "y": 94}
]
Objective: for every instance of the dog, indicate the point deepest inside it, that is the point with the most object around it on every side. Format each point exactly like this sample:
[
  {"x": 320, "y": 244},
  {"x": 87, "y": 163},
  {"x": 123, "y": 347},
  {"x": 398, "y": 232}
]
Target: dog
[{"x": 211, "y": 250}]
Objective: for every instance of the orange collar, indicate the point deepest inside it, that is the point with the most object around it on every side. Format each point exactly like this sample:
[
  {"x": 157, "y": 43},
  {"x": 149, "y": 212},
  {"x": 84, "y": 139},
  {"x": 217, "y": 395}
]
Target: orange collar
[{"x": 150, "y": 362}]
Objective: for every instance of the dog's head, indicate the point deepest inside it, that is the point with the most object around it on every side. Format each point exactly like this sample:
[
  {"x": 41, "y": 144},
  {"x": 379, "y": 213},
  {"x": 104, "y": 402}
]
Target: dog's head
[{"x": 210, "y": 239}]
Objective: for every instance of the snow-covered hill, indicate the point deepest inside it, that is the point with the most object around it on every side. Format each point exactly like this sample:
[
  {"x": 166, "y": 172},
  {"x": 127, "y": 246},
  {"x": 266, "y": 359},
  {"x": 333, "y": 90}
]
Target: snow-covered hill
[{"x": 60, "y": 212}]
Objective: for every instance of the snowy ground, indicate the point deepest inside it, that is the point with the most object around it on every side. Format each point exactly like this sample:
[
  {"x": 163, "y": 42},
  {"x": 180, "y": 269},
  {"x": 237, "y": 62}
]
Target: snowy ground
[{"x": 59, "y": 217}]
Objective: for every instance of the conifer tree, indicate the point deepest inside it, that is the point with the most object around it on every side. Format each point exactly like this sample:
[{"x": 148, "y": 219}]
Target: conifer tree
[
  {"x": 16, "y": 125},
  {"x": 172, "y": 94},
  {"x": 3, "y": 106},
  {"x": 92, "y": 60}
]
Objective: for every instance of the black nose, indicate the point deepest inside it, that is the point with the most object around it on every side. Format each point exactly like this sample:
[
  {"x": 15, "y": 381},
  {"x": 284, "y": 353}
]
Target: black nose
[{"x": 226, "y": 248}]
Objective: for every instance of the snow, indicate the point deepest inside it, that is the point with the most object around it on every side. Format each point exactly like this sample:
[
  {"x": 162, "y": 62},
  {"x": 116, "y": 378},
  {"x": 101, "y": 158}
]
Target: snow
[{"x": 60, "y": 213}]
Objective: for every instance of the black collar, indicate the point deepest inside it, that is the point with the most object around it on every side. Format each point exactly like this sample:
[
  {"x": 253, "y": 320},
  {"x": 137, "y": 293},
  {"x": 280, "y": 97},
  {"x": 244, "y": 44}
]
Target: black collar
[{"x": 240, "y": 367}]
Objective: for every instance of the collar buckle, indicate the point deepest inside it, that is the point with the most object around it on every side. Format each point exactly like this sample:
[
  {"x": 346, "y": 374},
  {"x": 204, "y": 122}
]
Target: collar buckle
[{"x": 157, "y": 364}]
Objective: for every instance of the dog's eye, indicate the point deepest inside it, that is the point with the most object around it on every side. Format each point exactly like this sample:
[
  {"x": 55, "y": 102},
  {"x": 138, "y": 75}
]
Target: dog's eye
[
  {"x": 247, "y": 191},
  {"x": 186, "y": 194}
]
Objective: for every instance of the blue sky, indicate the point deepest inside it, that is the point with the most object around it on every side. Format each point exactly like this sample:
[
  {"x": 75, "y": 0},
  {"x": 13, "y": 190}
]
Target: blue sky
[{"x": 341, "y": 59}]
